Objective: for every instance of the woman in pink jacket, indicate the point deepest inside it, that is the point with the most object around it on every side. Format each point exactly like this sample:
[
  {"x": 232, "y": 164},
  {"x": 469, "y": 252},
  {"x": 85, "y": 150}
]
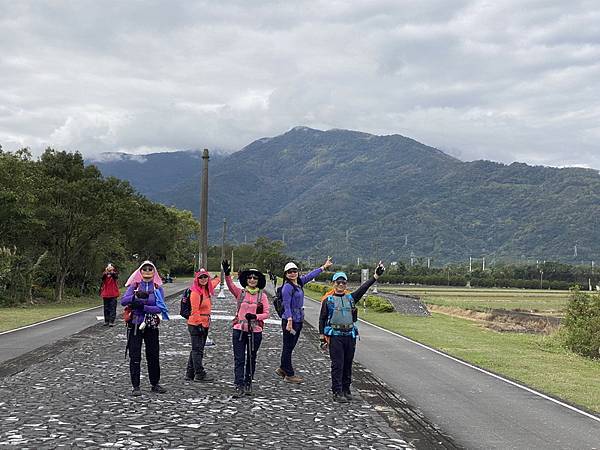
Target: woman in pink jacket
[{"x": 252, "y": 310}]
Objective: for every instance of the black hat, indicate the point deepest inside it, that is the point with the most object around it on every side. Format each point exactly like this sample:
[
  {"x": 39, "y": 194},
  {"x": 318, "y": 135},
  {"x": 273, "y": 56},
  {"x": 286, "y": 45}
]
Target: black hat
[{"x": 262, "y": 281}]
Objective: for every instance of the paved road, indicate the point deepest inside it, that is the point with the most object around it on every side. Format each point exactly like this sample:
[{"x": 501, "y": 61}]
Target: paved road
[
  {"x": 81, "y": 398},
  {"x": 474, "y": 408},
  {"x": 27, "y": 339}
]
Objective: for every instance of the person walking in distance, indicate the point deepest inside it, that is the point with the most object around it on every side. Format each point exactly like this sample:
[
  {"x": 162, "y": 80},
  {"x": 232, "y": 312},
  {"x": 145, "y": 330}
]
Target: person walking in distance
[
  {"x": 337, "y": 325},
  {"x": 201, "y": 291},
  {"x": 109, "y": 291},
  {"x": 251, "y": 312},
  {"x": 292, "y": 318},
  {"x": 145, "y": 297}
]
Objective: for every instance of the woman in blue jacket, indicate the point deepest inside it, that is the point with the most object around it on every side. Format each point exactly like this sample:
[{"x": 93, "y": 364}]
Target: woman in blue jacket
[{"x": 293, "y": 315}]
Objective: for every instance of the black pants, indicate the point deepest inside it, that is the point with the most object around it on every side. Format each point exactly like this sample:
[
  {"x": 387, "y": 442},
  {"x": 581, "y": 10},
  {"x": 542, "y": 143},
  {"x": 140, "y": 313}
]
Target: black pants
[
  {"x": 341, "y": 352},
  {"x": 110, "y": 310},
  {"x": 243, "y": 372},
  {"x": 198, "y": 335},
  {"x": 150, "y": 337},
  {"x": 289, "y": 342}
]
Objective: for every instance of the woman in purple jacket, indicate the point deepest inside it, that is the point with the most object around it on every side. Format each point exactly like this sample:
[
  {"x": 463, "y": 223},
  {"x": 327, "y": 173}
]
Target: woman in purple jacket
[
  {"x": 293, "y": 315},
  {"x": 143, "y": 287}
]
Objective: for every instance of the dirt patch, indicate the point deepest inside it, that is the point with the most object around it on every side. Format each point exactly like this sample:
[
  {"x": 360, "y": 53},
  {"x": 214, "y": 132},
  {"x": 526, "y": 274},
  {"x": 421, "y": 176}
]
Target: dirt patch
[{"x": 502, "y": 320}]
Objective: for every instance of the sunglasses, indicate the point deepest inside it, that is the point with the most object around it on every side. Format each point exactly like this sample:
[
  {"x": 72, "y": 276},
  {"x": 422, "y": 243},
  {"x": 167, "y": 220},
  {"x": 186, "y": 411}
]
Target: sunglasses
[
  {"x": 292, "y": 271},
  {"x": 252, "y": 277},
  {"x": 147, "y": 269},
  {"x": 203, "y": 276},
  {"x": 342, "y": 282}
]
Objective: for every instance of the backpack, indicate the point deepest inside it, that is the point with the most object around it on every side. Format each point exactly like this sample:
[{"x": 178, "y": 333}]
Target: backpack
[
  {"x": 185, "y": 306},
  {"x": 278, "y": 302},
  {"x": 341, "y": 318}
]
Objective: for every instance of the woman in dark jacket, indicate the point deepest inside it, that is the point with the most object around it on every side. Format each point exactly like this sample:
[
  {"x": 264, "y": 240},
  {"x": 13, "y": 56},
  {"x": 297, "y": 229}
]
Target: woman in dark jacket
[{"x": 337, "y": 326}]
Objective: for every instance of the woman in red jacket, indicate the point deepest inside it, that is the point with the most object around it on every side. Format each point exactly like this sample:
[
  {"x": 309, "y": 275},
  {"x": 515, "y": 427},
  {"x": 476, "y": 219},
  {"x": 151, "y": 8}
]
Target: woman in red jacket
[
  {"x": 109, "y": 291},
  {"x": 198, "y": 323}
]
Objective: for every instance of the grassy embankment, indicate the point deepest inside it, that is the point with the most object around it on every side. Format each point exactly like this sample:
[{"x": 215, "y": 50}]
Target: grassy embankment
[
  {"x": 15, "y": 317},
  {"x": 20, "y": 316},
  {"x": 538, "y": 361}
]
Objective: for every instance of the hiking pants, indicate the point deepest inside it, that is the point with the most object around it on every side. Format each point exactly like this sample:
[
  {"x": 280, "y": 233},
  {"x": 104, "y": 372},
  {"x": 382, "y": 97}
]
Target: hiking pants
[
  {"x": 242, "y": 372},
  {"x": 198, "y": 334},
  {"x": 341, "y": 353},
  {"x": 150, "y": 337},
  {"x": 110, "y": 310},
  {"x": 289, "y": 342}
]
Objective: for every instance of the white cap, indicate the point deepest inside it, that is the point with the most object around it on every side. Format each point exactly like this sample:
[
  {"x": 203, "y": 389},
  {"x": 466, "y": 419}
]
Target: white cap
[{"x": 289, "y": 266}]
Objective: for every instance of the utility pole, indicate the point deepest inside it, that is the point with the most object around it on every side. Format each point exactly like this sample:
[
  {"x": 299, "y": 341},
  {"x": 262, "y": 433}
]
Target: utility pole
[
  {"x": 222, "y": 290},
  {"x": 483, "y": 264},
  {"x": 470, "y": 264},
  {"x": 203, "y": 238}
]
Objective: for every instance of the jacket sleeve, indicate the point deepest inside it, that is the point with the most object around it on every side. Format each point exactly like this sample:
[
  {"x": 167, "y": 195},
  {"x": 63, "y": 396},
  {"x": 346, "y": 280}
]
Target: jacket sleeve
[
  {"x": 362, "y": 290},
  {"x": 154, "y": 309},
  {"x": 236, "y": 291},
  {"x": 323, "y": 316},
  {"x": 265, "y": 302},
  {"x": 127, "y": 296},
  {"x": 311, "y": 275},
  {"x": 286, "y": 296}
]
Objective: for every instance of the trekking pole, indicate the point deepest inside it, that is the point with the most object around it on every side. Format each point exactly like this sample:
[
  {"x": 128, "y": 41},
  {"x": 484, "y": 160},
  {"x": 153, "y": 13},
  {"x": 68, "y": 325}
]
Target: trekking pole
[{"x": 250, "y": 351}]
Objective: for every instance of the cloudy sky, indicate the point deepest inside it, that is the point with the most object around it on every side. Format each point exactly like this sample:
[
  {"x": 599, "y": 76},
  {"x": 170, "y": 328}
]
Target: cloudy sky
[{"x": 512, "y": 80}]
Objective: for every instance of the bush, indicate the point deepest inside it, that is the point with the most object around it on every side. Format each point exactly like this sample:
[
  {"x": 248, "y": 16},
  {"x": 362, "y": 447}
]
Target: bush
[{"x": 582, "y": 324}]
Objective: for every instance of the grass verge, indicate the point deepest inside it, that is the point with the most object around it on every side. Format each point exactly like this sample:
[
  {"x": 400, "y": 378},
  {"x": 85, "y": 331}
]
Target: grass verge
[
  {"x": 537, "y": 361},
  {"x": 20, "y": 316}
]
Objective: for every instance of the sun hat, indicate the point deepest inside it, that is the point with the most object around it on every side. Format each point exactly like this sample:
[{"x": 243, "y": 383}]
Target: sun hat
[
  {"x": 262, "y": 281},
  {"x": 338, "y": 275}
]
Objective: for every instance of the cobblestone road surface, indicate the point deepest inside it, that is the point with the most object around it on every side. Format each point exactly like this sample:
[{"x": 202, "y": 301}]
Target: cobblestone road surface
[{"x": 79, "y": 397}]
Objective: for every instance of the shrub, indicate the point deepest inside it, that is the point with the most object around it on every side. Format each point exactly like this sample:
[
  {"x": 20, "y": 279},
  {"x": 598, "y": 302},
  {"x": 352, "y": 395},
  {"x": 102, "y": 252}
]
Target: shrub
[{"x": 582, "y": 324}]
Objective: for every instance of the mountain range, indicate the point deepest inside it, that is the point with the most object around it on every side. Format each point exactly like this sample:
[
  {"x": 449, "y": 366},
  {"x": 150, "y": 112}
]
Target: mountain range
[{"x": 352, "y": 194}]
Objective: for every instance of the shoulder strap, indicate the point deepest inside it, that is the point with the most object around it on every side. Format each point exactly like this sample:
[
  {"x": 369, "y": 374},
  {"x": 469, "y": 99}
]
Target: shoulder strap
[{"x": 240, "y": 300}]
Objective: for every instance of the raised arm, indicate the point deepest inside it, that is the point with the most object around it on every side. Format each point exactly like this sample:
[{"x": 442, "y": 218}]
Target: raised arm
[
  {"x": 313, "y": 274},
  {"x": 236, "y": 291},
  {"x": 357, "y": 295}
]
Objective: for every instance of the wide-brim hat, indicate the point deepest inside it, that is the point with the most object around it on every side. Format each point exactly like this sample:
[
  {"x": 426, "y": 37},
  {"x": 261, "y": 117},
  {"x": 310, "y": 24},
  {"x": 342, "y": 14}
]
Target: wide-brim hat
[{"x": 262, "y": 281}]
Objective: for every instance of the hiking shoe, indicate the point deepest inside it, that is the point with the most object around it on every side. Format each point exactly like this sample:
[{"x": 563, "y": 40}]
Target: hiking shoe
[
  {"x": 158, "y": 389},
  {"x": 279, "y": 371},
  {"x": 248, "y": 389},
  {"x": 105, "y": 324},
  {"x": 293, "y": 379},
  {"x": 348, "y": 396},
  {"x": 238, "y": 392},
  {"x": 136, "y": 392},
  {"x": 189, "y": 378},
  {"x": 206, "y": 378},
  {"x": 112, "y": 324},
  {"x": 338, "y": 397}
]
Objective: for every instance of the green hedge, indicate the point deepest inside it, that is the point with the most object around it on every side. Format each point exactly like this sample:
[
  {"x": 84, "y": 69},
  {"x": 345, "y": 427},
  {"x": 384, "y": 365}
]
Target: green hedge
[{"x": 582, "y": 324}]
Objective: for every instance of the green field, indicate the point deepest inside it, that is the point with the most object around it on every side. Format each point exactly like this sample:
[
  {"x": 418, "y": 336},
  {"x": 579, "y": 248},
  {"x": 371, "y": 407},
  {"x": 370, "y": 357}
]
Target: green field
[
  {"x": 538, "y": 361},
  {"x": 539, "y": 301},
  {"x": 15, "y": 317}
]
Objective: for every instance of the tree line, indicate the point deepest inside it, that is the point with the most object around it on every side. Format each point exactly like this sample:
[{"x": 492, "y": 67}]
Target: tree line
[
  {"x": 545, "y": 275},
  {"x": 61, "y": 222}
]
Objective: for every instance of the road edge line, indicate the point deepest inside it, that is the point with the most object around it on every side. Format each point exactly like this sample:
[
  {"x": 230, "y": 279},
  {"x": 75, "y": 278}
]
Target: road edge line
[{"x": 464, "y": 363}]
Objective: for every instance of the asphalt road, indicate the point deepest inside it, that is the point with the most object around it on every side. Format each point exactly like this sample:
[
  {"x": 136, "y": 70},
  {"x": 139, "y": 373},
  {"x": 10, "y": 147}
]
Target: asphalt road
[
  {"x": 25, "y": 340},
  {"x": 476, "y": 409}
]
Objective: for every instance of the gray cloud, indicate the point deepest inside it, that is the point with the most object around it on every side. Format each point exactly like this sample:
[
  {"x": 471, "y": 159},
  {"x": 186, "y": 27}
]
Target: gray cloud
[{"x": 506, "y": 81}]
